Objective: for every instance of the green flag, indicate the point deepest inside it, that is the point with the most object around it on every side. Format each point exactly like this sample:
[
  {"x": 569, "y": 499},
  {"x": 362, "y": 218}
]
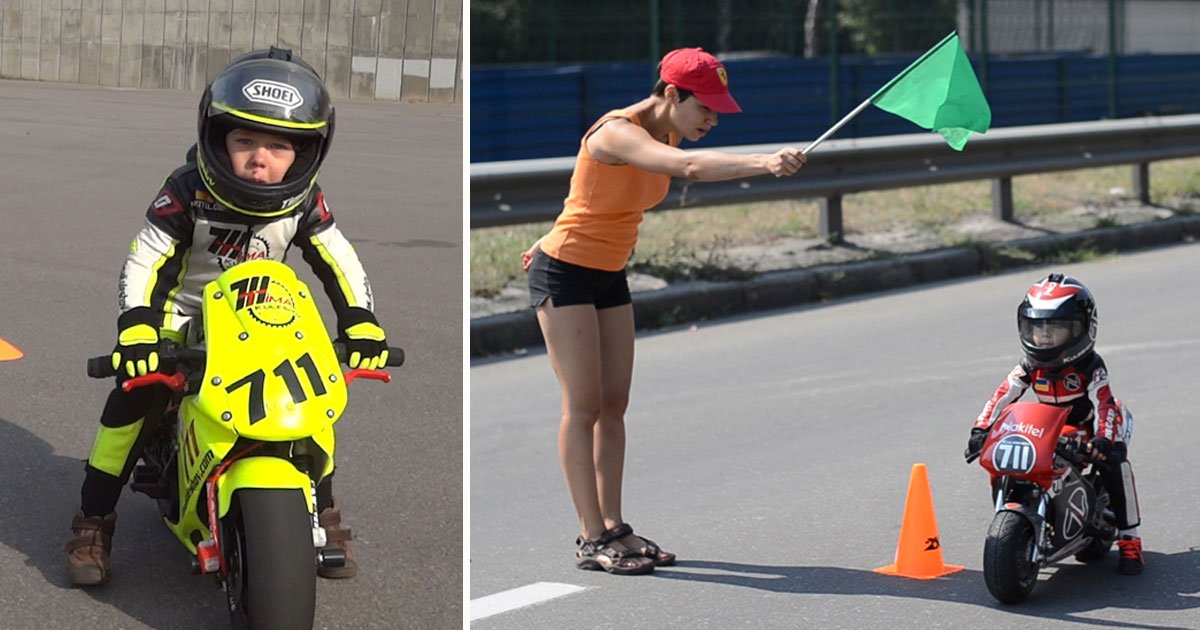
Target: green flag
[{"x": 939, "y": 91}]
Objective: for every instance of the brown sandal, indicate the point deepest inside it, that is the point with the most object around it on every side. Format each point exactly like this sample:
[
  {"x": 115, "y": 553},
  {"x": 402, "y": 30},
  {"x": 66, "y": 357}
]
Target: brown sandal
[
  {"x": 604, "y": 553},
  {"x": 645, "y": 547}
]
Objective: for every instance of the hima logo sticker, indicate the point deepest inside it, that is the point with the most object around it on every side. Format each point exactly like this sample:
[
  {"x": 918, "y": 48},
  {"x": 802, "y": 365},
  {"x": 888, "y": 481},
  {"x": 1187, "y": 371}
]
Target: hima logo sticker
[
  {"x": 273, "y": 93},
  {"x": 267, "y": 301},
  {"x": 231, "y": 246}
]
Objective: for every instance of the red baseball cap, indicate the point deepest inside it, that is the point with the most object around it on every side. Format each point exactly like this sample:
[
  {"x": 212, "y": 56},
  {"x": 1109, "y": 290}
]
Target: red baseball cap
[{"x": 700, "y": 73}]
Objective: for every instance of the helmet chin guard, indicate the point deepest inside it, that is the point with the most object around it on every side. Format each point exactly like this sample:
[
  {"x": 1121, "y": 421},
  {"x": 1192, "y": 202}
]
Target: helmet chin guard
[{"x": 274, "y": 92}]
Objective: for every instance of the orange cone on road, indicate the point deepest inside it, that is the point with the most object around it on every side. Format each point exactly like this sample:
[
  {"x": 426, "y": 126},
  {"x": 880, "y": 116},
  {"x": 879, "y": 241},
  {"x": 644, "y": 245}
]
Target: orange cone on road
[
  {"x": 9, "y": 352},
  {"x": 919, "y": 552}
]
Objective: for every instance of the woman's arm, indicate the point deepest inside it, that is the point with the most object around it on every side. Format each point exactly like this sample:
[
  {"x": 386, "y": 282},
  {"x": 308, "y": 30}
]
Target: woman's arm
[{"x": 622, "y": 142}]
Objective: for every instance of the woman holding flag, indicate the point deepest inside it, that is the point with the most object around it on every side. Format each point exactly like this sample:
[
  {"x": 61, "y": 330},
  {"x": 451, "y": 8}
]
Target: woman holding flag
[{"x": 578, "y": 285}]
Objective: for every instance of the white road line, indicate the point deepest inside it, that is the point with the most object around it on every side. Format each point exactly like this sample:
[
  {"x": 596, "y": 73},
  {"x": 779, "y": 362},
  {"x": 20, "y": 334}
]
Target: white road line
[{"x": 519, "y": 598}]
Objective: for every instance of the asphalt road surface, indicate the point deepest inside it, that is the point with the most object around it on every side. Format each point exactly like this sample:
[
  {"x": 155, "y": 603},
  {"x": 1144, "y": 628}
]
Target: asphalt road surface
[
  {"x": 78, "y": 167},
  {"x": 772, "y": 454}
]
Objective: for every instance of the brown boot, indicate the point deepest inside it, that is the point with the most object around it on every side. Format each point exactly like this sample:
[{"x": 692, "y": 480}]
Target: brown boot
[
  {"x": 338, "y": 537},
  {"x": 87, "y": 552}
]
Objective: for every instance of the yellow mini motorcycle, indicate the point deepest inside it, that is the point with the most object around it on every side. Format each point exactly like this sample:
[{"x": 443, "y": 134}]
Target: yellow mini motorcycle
[{"x": 246, "y": 434}]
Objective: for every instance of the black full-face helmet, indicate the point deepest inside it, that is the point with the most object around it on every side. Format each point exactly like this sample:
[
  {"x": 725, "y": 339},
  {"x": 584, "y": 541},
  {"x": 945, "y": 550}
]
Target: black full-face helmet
[
  {"x": 1057, "y": 321},
  {"x": 275, "y": 92}
]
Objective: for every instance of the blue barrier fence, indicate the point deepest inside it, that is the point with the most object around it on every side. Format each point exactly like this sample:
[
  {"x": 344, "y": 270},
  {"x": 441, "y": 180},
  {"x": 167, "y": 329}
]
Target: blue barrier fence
[{"x": 541, "y": 111}]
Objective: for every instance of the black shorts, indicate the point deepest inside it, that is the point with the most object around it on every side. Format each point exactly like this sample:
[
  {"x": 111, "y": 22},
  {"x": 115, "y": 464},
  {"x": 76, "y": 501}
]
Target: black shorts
[{"x": 565, "y": 284}]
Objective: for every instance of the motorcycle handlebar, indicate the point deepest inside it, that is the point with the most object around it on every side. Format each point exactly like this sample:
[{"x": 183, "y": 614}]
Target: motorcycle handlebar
[
  {"x": 170, "y": 354},
  {"x": 100, "y": 367},
  {"x": 1070, "y": 452},
  {"x": 1067, "y": 450}
]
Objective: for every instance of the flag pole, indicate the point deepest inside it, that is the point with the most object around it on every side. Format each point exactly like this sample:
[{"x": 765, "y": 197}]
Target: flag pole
[{"x": 861, "y": 106}]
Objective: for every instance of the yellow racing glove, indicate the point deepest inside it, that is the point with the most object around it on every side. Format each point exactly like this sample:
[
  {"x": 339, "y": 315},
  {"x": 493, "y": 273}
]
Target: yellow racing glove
[
  {"x": 136, "y": 353},
  {"x": 366, "y": 343}
]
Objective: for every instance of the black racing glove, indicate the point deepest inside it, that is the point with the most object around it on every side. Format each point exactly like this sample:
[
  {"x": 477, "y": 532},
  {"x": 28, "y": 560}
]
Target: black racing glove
[
  {"x": 366, "y": 344},
  {"x": 975, "y": 444},
  {"x": 1105, "y": 450},
  {"x": 136, "y": 353},
  {"x": 1100, "y": 446}
]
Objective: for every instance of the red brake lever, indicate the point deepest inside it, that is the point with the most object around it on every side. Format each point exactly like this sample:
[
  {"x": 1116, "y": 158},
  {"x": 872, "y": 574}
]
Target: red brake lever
[
  {"x": 375, "y": 375},
  {"x": 176, "y": 381}
]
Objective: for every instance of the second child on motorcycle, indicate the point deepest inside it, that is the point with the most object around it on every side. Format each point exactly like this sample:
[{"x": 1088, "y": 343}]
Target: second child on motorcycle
[
  {"x": 1057, "y": 325},
  {"x": 247, "y": 191}
]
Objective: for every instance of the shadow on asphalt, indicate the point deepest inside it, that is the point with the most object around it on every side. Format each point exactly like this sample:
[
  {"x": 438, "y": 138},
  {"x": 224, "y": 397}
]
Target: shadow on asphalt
[
  {"x": 150, "y": 567},
  {"x": 1062, "y": 593}
]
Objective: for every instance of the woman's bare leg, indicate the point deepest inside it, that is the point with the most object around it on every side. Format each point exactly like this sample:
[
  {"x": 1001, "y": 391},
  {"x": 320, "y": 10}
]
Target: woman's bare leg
[
  {"x": 616, "y": 359},
  {"x": 616, "y": 375},
  {"x": 572, "y": 335}
]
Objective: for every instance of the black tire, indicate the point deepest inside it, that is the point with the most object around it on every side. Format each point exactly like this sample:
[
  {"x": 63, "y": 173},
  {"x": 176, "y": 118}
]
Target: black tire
[
  {"x": 271, "y": 559},
  {"x": 1095, "y": 551},
  {"x": 1007, "y": 567}
]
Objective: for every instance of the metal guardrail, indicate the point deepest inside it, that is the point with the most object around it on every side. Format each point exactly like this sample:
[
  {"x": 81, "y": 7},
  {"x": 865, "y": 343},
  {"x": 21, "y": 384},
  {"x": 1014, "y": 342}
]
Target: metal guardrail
[{"x": 525, "y": 191}]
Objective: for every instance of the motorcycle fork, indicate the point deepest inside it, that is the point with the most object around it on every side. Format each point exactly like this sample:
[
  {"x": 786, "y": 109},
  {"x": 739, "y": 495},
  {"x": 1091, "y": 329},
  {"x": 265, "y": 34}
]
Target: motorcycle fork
[
  {"x": 210, "y": 556},
  {"x": 303, "y": 461},
  {"x": 319, "y": 537},
  {"x": 1041, "y": 534},
  {"x": 1002, "y": 493},
  {"x": 325, "y": 556}
]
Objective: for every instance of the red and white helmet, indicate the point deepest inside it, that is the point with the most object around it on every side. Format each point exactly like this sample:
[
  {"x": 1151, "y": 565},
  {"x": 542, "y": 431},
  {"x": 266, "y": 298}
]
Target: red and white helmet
[{"x": 1056, "y": 321}]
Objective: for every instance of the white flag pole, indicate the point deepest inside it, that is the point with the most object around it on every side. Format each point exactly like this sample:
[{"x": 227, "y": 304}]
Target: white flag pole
[{"x": 861, "y": 106}]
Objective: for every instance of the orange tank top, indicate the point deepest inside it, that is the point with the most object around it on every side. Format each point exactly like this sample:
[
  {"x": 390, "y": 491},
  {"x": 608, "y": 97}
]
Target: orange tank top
[{"x": 598, "y": 226}]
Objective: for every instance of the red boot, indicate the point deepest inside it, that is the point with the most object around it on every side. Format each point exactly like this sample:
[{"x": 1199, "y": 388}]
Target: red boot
[{"x": 1131, "y": 561}]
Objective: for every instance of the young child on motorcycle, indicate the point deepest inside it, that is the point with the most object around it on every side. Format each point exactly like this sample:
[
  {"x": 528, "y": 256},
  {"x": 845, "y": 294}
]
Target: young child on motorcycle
[
  {"x": 247, "y": 191},
  {"x": 1057, "y": 326}
]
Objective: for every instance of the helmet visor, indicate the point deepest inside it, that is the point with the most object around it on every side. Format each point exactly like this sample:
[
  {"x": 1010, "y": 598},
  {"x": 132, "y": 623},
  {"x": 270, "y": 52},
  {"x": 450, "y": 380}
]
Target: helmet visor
[{"x": 1048, "y": 333}]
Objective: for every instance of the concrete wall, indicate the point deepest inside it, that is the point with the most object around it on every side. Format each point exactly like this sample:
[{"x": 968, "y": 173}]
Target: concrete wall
[
  {"x": 1143, "y": 26},
  {"x": 408, "y": 50},
  {"x": 1163, "y": 26}
]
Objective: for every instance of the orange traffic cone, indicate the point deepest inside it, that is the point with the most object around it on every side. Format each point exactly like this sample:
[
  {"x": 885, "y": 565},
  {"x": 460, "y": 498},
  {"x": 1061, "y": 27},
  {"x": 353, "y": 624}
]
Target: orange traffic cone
[
  {"x": 919, "y": 553},
  {"x": 9, "y": 352}
]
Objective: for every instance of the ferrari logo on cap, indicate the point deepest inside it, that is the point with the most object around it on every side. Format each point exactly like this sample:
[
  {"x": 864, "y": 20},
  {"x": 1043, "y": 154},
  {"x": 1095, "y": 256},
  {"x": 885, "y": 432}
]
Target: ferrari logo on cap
[{"x": 721, "y": 75}]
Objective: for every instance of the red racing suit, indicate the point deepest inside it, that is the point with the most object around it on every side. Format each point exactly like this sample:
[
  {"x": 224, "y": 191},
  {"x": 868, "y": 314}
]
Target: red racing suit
[{"x": 1083, "y": 386}]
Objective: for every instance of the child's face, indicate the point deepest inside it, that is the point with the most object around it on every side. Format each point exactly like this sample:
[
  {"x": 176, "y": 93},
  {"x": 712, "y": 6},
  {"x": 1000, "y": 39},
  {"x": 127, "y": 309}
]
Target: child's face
[
  {"x": 259, "y": 157},
  {"x": 1049, "y": 334}
]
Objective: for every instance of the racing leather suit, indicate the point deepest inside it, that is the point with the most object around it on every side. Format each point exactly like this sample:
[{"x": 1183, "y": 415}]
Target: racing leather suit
[{"x": 1084, "y": 387}]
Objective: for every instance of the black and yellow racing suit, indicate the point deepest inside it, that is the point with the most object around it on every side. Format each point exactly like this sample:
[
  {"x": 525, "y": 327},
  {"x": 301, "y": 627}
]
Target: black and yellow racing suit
[{"x": 187, "y": 241}]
